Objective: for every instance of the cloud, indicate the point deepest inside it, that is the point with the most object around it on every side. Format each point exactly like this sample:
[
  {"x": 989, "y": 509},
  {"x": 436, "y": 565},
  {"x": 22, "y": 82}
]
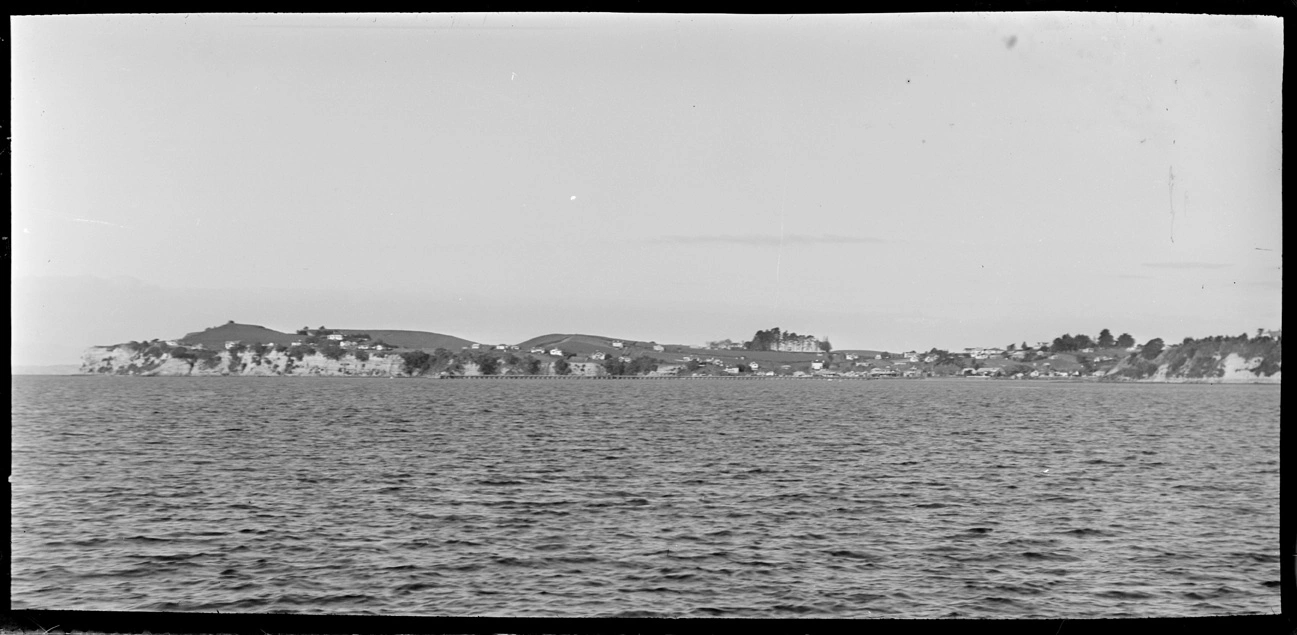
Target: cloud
[
  {"x": 1190, "y": 264},
  {"x": 761, "y": 240}
]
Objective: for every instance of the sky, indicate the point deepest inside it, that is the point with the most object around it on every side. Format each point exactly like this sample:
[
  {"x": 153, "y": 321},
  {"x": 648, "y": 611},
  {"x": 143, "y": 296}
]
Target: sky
[{"x": 887, "y": 182}]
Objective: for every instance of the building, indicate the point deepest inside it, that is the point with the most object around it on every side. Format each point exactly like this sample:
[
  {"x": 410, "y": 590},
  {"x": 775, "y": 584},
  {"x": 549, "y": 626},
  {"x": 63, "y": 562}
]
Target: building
[
  {"x": 556, "y": 351},
  {"x": 754, "y": 366},
  {"x": 231, "y": 344},
  {"x": 337, "y": 337},
  {"x": 817, "y": 365},
  {"x": 537, "y": 350},
  {"x": 618, "y": 344},
  {"x": 600, "y": 355},
  {"x": 659, "y": 348}
]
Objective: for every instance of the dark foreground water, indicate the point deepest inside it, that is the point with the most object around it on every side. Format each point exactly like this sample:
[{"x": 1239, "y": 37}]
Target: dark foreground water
[{"x": 671, "y": 498}]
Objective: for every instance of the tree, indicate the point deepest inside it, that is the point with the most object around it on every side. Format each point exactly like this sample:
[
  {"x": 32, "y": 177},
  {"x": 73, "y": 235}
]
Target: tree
[
  {"x": 693, "y": 365},
  {"x": 416, "y": 362},
  {"x": 825, "y": 345},
  {"x": 1125, "y": 340},
  {"x": 1011, "y": 347},
  {"x": 487, "y": 364},
  {"x": 561, "y": 367},
  {"x": 1024, "y": 346},
  {"x": 1153, "y": 348},
  {"x": 1105, "y": 339},
  {"x": 1064, "y": 343},
  {"x": 531, "y": 365},
  {"x": 1083, "y": 341}
]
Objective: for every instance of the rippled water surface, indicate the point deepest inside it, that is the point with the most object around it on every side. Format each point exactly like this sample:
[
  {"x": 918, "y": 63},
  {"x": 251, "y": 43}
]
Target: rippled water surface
[{"x": 674, "y": 498}]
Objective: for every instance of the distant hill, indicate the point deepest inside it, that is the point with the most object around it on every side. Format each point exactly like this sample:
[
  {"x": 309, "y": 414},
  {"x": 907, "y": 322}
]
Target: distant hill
[
  {"x": 217, "y": 336},
  {"x": 413, "y": 339}
]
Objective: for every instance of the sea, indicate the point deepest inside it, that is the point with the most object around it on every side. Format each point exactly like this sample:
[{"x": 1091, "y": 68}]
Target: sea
[{"x": 667, "y": 498}]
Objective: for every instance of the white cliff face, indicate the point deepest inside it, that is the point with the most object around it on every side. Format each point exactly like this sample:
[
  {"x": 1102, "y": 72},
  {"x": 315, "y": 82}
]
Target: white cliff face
[{"x": 124, "y": 360}]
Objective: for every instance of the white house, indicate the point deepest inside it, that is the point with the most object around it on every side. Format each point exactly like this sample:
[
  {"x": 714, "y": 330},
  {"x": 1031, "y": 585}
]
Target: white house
[
  {"x": 617, "y": 344},
  {"x": 556, "y": 351},
  {"x": 476, "y": 346},
  {"x": 733, "y": 370},
  {"x": 817, "y": 365},
  {"x": 624, "y": 358},
  {"x": 501, "y": 347},
  {"x": 337, "y": 337},
  {"x": 659, "y": 347},
  {"x": 382, "y": 347},
  {"x": 599, "y": 355},
  {"x": 753, "y": 365},
  {"x": 931, "y": 358},
  {"x": 538, "y": 350},
  {"x": 173, "y": 342},
  {"x": 231, "y": 344}
]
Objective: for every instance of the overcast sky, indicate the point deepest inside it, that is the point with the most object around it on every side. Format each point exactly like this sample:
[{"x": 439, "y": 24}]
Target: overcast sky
[{"x": 886, "y": 181}]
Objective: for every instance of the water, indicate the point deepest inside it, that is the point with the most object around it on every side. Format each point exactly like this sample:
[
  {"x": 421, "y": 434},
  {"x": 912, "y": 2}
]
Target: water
[{"x": 653, "y": 498}]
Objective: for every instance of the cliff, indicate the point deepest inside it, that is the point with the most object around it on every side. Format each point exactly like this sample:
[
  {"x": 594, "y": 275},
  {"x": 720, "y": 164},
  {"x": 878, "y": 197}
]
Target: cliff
[
  {"x": 154, "y": 360},
  {"x": 1208, "y": 360}
]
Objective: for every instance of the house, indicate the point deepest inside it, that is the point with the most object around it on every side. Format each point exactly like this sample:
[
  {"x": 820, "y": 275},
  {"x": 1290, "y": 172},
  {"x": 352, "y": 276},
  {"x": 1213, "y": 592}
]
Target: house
[
  {"x": 600, "y": 355},
  {"x": 231, "y": 344},
  {"x": 733, "y": 370},
  {"x": 910, "y": 354},
  {"x": 931, "y": 358},
  {"x": 754, "y": 366},
  {"x": 852, "y": 356},
  {"x": 1018, "y": 355},
  {"x": 817, "y": 365},
  {"x": 348, "y": 344},
  {"x": 1087, "y": 350},
  {"x": 913, "y": 358},
  {"x": 882, "y": 372},
  {"x": 337, "y": 337},
  {"x": 659, "y": 348},
  {"x": 383, "y": 347},
  {"x": 617, "y": 344},
  {"x": 878, "y": 356},
  {"x": 476, "y": 346},
  {"x": 625, "y": 359},
  {"x": 556, "y": 351},
  {"x": 173, "y": 342},
  {"x": 297, "y": 343},
  {"x": 501, "y": 347},
  {"x": 537, "y": 350},
  {"x": 912, "y": 373}
]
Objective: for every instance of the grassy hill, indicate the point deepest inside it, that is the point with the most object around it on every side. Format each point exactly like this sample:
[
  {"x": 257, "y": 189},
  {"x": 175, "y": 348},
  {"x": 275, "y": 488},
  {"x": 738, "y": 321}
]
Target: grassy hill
[
  {"x": 217, "y": 336},
  {"x": 413, "y": 339}
]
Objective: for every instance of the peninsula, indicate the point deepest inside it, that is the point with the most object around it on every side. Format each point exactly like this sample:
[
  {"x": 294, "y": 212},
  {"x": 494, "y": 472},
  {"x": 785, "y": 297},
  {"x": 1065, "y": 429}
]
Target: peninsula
[{"x": 246, "y": 349}]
